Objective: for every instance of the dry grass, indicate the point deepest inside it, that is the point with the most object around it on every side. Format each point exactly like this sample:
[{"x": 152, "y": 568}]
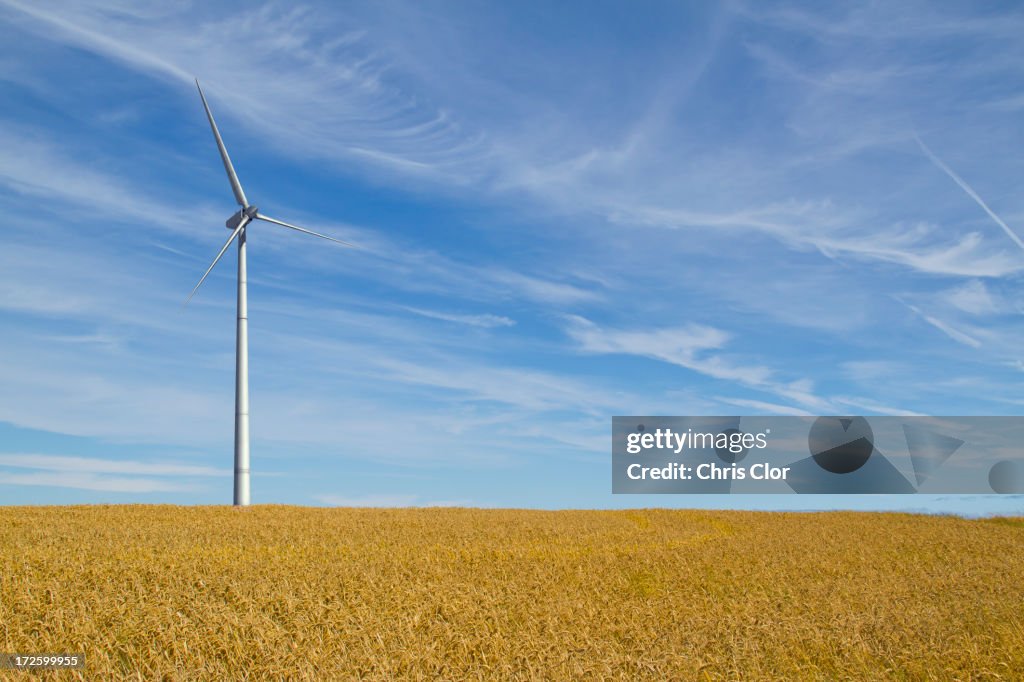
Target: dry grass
[{"x": 210, "y": 593}]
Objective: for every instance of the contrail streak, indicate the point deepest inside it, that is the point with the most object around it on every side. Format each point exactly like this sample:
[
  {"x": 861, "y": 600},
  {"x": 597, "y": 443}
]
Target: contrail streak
[{"x": 970, "y": 192}]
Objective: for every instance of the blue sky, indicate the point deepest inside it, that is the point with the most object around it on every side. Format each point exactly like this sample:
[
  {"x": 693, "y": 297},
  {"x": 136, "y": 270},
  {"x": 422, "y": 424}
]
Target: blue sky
[{"x": 563, "y": 214}]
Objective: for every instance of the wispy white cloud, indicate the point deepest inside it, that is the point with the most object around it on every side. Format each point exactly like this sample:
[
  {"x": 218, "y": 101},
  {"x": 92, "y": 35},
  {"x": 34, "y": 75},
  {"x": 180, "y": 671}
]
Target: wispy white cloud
[
  {"x": 543, "y": 290},
  {"x": 678, "y": 346},
  {"x": 105, "y": 475},
  {"x": 952, "y": 332},
  {"x": 95, "y": 482},
  {"x": 48, "y": 173},
  {"x": 87, "y": 35},
  {"x": 333, "y": 98},
  {"x": 947, "y": 329},
  {"x": 106, "y": 466},
  {"x": 689, "y": 347},
  {"x": 876, "y": 408},
  {"x": 921, "y": 247},
  {"x": 486, "y": 320},
  {"x": 973, "y": 297},
  {"x": 762, "y": 406},
  {"x": 969, "y": 191},
  {"x": 68, "y": 186},
  {"x": 352, "y": 96}
]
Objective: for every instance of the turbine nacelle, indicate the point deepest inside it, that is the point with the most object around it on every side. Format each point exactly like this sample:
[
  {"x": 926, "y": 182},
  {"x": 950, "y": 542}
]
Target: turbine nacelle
[{"x": 247, "y": 212}]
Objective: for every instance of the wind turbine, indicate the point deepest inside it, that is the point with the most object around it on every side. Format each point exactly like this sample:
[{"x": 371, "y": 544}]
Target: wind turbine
[{"x": 238, "y": 223}]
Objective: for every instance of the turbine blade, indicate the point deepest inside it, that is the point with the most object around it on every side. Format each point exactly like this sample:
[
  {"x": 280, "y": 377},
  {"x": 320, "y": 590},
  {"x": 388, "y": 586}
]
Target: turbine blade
[
  {"x": 236, "y": 186},
  {"x": 260, "y": 216},
  {"x": 241, "y": 226}
]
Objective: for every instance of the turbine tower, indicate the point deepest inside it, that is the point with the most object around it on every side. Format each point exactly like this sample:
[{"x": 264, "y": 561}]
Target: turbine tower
[{"x": 238, "y": 224}]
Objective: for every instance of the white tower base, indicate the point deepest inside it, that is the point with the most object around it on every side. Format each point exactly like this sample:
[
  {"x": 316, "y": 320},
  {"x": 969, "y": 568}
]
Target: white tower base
[{"x": 242, "y": 384}]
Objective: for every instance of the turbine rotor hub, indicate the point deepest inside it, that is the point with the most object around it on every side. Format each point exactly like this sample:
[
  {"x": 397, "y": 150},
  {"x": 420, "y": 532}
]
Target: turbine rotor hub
[{"x": 247, "y": 212}]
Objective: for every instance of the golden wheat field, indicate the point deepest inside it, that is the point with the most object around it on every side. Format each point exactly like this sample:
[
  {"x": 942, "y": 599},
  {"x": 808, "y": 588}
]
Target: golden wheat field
[{"x": 214, "y": 593}]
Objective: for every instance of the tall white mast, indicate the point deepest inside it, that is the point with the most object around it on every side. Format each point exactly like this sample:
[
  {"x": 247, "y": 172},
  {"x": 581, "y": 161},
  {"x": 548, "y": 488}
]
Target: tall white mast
[{"x": 242, "y": 384}]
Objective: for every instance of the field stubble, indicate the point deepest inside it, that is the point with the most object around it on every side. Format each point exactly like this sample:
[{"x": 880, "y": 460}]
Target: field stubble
[{"x": 183, "y": 593}]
